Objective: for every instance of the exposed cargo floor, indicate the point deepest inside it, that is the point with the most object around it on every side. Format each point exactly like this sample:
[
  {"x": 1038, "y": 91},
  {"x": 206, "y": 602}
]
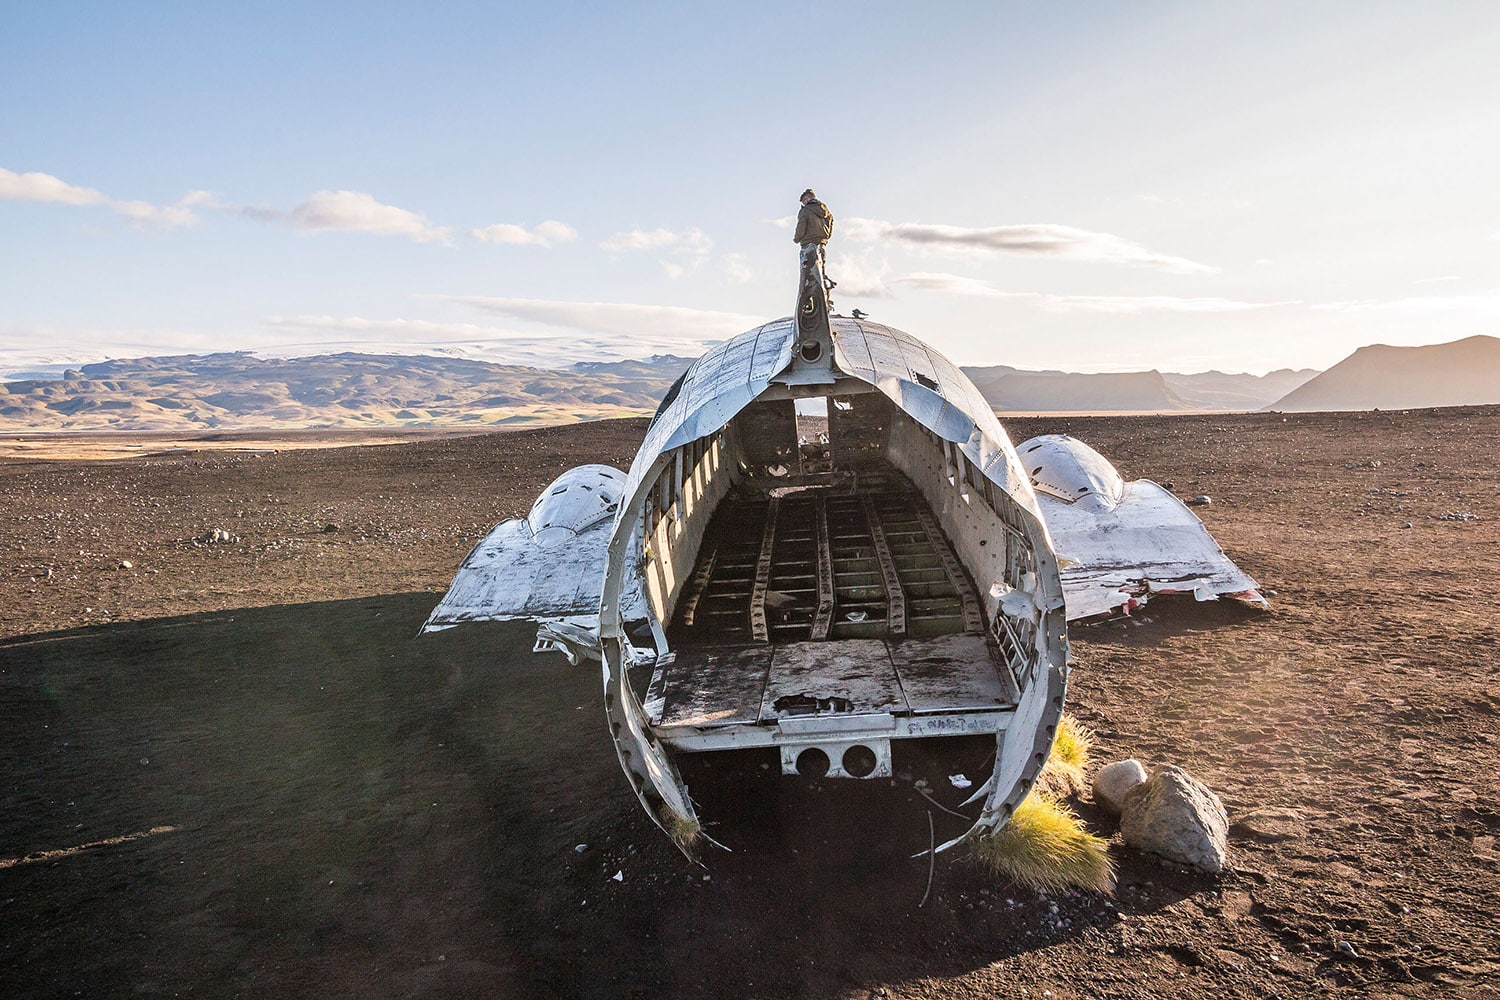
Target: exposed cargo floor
[
  {"x": 819, "y": 564},
  {"x": 826, "y": 603}
]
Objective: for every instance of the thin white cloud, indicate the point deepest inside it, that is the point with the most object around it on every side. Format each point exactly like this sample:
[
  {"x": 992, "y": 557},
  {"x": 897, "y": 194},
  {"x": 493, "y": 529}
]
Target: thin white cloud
[
  {"x": 1486, "y": 304},
  {"x": 615, "y": 318},
  {"x": 1033, "y": 240},
  {"x": 860, "y": 275},
  {"x": 692, "y": 242},
  {"x": 145, "y": 214},
  {"x": 45, "y": 187},
  {"x": 737, "y": 268},
  {"x": 1440, "y": 279},
  {"x": 415, "y": 329},
  {"x": 557, "y": 348},
  {"x": 28, "y": 351},
  {"x": 1155, "y": 303},
  {"x": 955, "y": 284},
  {"x": 687, "y": 250},
  {"x": 544, "y": 234},
  {"x": 351, "y": 211}
]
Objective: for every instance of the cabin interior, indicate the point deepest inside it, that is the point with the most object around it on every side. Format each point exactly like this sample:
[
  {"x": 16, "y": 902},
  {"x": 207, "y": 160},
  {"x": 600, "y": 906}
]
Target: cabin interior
[{"x": 850, "y": 567}]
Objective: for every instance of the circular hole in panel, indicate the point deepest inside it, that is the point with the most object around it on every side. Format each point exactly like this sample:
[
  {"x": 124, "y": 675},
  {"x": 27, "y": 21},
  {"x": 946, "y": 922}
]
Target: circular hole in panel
[
  {"x": 859, "y": 761},
  {"x": 812, "y": 762},
  {"x": 811, "y": 350}
]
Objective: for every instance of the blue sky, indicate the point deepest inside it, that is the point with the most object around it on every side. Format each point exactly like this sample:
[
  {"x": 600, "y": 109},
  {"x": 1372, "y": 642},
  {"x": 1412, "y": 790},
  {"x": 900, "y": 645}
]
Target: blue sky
[{"x": 1091, "y": 186}]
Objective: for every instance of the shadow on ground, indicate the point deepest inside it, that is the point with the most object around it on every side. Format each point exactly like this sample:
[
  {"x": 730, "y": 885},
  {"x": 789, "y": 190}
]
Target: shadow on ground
[{"x": 356, "y": 811}]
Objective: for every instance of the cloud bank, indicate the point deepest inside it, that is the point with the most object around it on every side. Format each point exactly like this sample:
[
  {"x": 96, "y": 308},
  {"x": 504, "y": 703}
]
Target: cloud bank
[
  {"x": 1484, "y": 304},
  {"x": 296, "y": 336},
  {"x": 46, "y": 188},
  {"x": 545, "y": 234},
  {"x": 690, "y": 247},
  {"x": 1032, "y": 240},
  {"x": 351, "y": 211},
  {"x": 956, "y": 284},
  {"x": 615, "y": 318}
]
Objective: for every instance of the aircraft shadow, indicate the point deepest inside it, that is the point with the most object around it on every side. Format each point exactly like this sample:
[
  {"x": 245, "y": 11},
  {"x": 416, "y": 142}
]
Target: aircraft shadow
[{"x": 328, "y": 804}]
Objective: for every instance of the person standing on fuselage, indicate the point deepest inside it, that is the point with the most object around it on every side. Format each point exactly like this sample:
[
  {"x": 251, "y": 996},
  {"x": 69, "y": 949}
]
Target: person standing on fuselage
[{"x": 814, "y": 227}]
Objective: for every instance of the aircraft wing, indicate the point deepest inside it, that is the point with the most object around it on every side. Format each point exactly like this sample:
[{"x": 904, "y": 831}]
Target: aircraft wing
[
  {"x": 546, "y": 567},
  {"x": 1123, "y": 541}
]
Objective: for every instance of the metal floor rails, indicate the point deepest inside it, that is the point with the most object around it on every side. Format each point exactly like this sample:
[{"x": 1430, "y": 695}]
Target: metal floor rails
[{"x": 816, "y": 565}]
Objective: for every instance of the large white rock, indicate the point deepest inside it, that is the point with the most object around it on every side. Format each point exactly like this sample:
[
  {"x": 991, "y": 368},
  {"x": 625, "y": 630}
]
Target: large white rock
[
  {"x": 1175, "y": 815},
  {"x": 1114, "y": 782}
]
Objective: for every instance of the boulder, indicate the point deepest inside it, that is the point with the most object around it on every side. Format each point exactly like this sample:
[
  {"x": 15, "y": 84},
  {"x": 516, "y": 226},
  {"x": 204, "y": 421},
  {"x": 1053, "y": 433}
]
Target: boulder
[
  {"x": 1176, "y": 816},
  {"x": 1115, "y": 781}
]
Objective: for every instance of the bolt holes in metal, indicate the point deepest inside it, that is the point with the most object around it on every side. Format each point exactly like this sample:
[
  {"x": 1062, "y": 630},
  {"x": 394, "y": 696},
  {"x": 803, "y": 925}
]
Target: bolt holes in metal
[
  {"x": 812, "y": 763},
  {"x": 859, "y": 761}
]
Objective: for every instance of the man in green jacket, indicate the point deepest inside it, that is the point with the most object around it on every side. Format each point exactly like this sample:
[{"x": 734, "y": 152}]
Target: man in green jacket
[{"x": 814, "y": 226}]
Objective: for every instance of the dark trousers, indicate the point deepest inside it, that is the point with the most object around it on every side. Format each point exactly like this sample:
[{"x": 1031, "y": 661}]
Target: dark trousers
[{"x": 821, "y": 249}]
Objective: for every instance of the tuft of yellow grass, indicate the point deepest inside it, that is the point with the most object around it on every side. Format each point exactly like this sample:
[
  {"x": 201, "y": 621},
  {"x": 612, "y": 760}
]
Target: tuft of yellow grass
[
  {"x": 1045, "y": 847},
  {"x": 1065, "y": 773},
  {"x": 1073, "y": 742},
  {"x": 683, "y": 831}
]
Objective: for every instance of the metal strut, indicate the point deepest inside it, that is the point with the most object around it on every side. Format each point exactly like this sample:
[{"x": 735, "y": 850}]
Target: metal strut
[
  {"x": 823, "y": 620},
  {"x": 758, "y": 629},
  {"x": 895, "y": 594},
  {"x": 698, "y": 586},
  {"x": 973, "y": 615}
]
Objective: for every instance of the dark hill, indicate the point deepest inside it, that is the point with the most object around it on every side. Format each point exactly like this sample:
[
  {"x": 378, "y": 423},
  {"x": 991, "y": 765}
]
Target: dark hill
[{"x": 1009, "y": 389}]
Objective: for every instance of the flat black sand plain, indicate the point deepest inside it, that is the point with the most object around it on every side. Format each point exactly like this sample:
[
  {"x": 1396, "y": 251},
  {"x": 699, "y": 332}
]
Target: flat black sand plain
[{"x": 288, "y": 793}]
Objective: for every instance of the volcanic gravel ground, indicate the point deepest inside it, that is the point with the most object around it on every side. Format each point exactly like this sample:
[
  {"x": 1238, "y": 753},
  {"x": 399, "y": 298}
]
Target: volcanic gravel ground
[{"x": 232, "y": 769}]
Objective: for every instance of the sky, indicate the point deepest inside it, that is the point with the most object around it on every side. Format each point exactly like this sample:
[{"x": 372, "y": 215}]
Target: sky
[{"x": 1084, "y": 186}]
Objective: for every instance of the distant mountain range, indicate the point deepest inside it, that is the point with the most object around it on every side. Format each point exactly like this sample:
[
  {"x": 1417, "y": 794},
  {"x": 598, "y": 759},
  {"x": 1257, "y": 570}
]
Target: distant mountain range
[
  {"x": 1398, "y": 378},
  {"x": 1012, "y": 390},
  {"x": 239, "y": 390}
]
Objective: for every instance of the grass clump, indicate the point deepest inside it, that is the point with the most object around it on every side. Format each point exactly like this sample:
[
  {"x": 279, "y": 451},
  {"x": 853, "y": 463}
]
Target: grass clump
[
  {"x": 1073, "y": 743},
  {"x": 683, "y": 830},
  {"x": 1065, "y": 774},
  {"x": 1045, "y": 847}
]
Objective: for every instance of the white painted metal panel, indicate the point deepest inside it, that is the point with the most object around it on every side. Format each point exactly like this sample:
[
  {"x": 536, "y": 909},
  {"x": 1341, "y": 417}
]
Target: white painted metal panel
[
  {"x": 547, "y": 566},
  {"x": 1066, "y": 469},
  {"x": 1146, "y": 540}
]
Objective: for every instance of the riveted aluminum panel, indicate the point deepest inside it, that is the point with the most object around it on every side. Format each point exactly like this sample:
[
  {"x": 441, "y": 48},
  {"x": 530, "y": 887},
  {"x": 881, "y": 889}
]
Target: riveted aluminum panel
[
  {"x": 547, "y": 566},
  {"x": 1120, "y": 542}
]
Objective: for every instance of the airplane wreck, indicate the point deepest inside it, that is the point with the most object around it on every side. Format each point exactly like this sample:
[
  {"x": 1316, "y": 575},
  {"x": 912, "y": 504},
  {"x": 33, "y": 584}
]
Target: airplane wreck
[{"x": 826, "y": 607}]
